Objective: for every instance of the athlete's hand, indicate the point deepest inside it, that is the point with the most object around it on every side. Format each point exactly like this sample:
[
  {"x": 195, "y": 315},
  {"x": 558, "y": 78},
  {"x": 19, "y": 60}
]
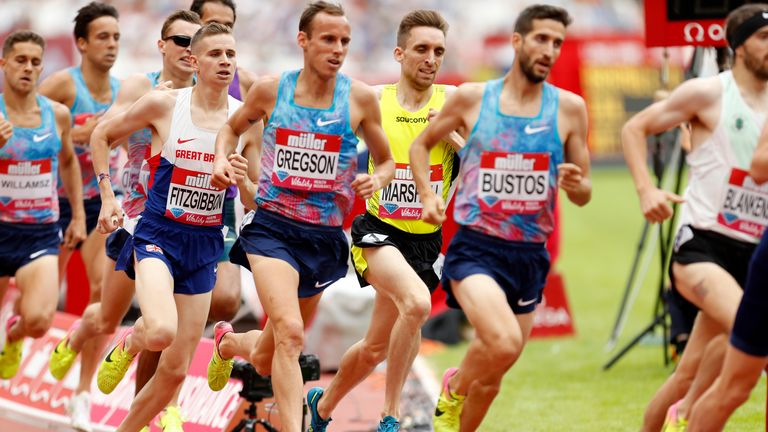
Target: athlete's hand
[
  {"x": 82, "y": 134},
  {"x": 365, "y": 185},
  {"x": 569, "y": 177},
  {"x": 223, "y": 173},
  {"x": 6, "y": 131},
  {"x": 167, "y": 85},
  {"x": 433, "y": 209},
  {"x": 110, "y": 216},
  {"x": 239, "y": 167},
  {"x": 654, "y": 203},
  {"x": 75, "y": 233},
  {"x": 432, "y": 114}
]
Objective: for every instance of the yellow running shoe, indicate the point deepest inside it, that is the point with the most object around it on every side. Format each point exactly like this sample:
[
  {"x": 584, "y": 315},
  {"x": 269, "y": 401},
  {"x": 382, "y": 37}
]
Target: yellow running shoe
[
  {"x": 447, "y": 416},
  {"x": 144, "y": 429},
  {"x": 674, "y": 422},
  {"x": 219, "y": 368},
  {"x": 171, "y": 420},
  {"x": 10, "y": 357},
  {"x": 62, "y": 356},
  {"x": 113, "y": 368}
]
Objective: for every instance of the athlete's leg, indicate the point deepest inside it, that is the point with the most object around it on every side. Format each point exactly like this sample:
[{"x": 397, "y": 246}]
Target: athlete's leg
[
  {"x": 225, "y": 300},
  {"x": 145, "y": 368},
  {"x": 157, "y": 326},
  {"x": 174, "y": 361},
  {"x": 711, "y": 288},
  {"x": 402, "y": 305},
  {"x": 678, "y": 383},
  {"x": 737, "y": 379},
  {"x": 277, "y": 284},
  {"x": 500, "y": 338},
  {"x": 38, "y": 285},
  {"x": 709, "y": 370}
]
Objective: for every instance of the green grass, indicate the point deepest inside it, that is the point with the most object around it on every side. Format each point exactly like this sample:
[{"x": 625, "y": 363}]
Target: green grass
[{"x": 559, "y": 384}]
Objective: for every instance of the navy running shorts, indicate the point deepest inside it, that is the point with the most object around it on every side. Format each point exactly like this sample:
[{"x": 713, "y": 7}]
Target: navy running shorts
[
  {"x": 318, "y": 253},
  {"x": 749, "y": 330},
  {"x": 520, "y": 268},
  {"x": 20, "y": 244}
]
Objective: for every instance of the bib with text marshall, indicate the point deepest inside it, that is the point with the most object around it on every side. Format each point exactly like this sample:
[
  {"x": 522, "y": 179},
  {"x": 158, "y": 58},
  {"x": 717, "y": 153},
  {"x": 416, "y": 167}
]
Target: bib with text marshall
[
  {"x": 191, "y": 198},
  {"x": 513, "y": 183},
  {"x": 745, "y": 206},
  {"x": 399, "y": 199},
  {"x": 306, "y": 161},
  {"x": 26, "y": 185}
]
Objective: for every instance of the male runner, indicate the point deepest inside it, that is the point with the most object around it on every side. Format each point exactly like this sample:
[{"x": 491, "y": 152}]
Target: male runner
[
  {"x": 747, "y": 354},
  {"x": 103, "y": 317},
  {"x": 717, "y": 236},
  {"x": 226, "y": 294},
  {"x": 179, "y": 237},
  {"x": 295, "y": 244},
  {"x": 522, "y": 129},
  {"x": 392, "y": 248},
  {"x": 34, "y": 143}
]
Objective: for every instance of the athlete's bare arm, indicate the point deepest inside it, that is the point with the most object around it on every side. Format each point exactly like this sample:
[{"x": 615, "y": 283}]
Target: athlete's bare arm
[
  {"x": 458, "y": 112},
  {"x": 363, "y": 100},
  {"x": 61, "y": 87},
  {"x": 153, "y": 111},
  {"x": 6, "y": 131},
  {"x": 69, "y": 168},
  {"x": 759, "y": 169},
  {"x": 131, "y": 89},
  {"x": 688, "y": 103},
  {"x": 258, "y": 105},
  {"x": 455, "y": 138},
  {"x": 246, "y": 165},
  {"x": 573, "y": 175},
  {"x": 247, "y": 78}
]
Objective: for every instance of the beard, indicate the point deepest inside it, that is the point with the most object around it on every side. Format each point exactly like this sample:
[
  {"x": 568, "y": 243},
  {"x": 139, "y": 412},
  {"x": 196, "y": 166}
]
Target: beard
[
  {"x": 527, "y": 65},
  {"x": 756, "y": 65}
]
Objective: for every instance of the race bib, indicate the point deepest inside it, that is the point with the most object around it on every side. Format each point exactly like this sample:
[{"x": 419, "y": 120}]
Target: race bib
[
  {"x": 306, "y": 161},
  {"x": 192, "y": 200},
  {"x": 399, "y": 199},
  {"x": 26, "y": 185},
  {"x": 513, "y": 183},
  {"x": 745, "y": 205}
]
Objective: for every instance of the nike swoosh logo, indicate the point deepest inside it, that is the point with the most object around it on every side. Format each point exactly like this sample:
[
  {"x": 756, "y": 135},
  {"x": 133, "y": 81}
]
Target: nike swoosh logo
[
  {"x": 37, "y": 138},
  {"x": 322, "y": 123},
  {"x": 181, "y": 141},
  {"x": 438, "y": 413},
  {"x": 520, "y": 302},
  {"x": 530, "y": 131},
  {"x": 37, "y": 254},
  {"x": 320, "y": 285},
  {"x": 109, "y": 356}
]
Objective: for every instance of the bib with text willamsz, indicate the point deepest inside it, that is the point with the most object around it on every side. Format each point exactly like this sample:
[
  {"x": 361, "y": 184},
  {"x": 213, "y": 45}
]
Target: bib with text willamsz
[
  {"x": 306, "y": 161},
  {"x": 745, "y": 205},
  {"x": 399, "y": 199},
  {"x": 514, "y": 183},
  {"x": 26, "y": 185},
  {"x": 191, "y": 198}
]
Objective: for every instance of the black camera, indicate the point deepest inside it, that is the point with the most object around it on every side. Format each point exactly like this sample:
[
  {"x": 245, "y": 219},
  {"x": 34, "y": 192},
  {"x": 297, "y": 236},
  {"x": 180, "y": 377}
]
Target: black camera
[{"x": 257, "y": 387}]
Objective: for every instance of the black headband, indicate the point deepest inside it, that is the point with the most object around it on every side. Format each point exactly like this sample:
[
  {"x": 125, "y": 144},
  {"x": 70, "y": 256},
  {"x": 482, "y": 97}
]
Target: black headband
[{"x": 748, "y": 28}]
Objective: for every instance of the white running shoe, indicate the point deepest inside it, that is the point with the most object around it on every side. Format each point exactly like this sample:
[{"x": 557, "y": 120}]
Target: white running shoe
[{"x": 79, "y": 410}]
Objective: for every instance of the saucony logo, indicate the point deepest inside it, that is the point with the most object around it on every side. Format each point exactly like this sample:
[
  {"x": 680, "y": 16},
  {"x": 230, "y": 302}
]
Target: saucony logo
[
  {"x": 321, "y": 122},
  {"x": 37, "y": 138},
  {"x": 181, "y": 141}
]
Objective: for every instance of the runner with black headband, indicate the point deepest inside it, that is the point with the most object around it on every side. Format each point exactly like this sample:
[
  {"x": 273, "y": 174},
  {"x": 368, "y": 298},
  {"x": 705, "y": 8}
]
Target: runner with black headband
[{"x": 719, "y": 231}]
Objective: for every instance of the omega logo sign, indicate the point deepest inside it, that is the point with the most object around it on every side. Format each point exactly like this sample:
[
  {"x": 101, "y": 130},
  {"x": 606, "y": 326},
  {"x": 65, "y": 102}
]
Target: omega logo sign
[{"x": 695, "y": 32}]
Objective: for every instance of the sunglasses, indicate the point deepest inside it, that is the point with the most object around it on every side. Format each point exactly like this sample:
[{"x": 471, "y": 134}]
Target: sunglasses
[{"x": 180, "y": 40}]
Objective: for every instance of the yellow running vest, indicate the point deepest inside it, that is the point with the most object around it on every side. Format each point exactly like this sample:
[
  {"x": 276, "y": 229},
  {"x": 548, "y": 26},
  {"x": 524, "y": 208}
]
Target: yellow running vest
[{"x": 398, "y": 204}]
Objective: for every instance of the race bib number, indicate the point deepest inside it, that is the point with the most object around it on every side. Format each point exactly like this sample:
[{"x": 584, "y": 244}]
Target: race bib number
[
  {"x": 745, "y": 206},
  {"x": 192, "y": 200},
  {"x": 26, "y": 185},
  {"x": 513, "y": 183},
  {"x": 399, "y": 199},
  {"x": 306, "y": 161}
]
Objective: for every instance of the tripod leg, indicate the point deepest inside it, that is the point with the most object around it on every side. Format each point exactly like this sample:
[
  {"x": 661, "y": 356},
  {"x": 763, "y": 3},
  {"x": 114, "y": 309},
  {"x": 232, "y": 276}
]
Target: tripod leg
[{"x": 657, "y": 321}]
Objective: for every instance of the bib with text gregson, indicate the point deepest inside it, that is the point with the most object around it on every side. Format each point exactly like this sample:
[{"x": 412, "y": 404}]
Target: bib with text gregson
[
  {"x": 745, "y": 207},
  {"x": 26, "y": 185},
  {"x": 191, "y": 198},
  {"x": 515, "y": 183},
  {"x": 399, "y": 199},
  {"x": 306, "y": 161}
]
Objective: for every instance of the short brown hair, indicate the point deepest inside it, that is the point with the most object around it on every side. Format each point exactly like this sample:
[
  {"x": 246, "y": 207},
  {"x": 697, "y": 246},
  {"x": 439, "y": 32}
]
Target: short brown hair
[
  {"x": 183, "y": 15},
  {"x": 314, "y": 8},
  {"x": 739, "y": 15},
  {"x": 210, "y": 29},
  {"x": 419, "y": 18},
  {"x": 524, "y": 23},
  {"x": 22, "y": 36}
]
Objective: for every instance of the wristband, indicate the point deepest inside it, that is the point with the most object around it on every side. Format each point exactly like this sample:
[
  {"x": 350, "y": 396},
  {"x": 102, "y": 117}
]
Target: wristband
[{"x": 103, "y": 176}]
